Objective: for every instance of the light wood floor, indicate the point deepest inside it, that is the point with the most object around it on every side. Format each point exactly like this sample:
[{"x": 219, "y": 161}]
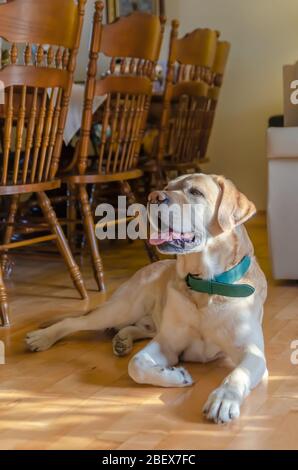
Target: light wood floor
[{"x": 79, "y": 396}]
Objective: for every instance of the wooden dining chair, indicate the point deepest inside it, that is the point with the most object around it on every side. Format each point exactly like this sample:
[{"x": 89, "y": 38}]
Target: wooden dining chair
[
  {"x": 131, "y": 45},
  {"x": 217, "y": 75},
  {"x": 37, "y": 84},
  {"x": 184, "y": 102}
]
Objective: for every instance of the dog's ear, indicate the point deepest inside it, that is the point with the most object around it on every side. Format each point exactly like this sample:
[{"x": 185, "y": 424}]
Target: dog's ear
[{"x": 234, "y": 208}]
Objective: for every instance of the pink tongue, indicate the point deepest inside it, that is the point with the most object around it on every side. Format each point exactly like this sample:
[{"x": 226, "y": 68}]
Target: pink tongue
[
  {"x": 159, "y": 239},
  {"x": 188, "y": 236}
]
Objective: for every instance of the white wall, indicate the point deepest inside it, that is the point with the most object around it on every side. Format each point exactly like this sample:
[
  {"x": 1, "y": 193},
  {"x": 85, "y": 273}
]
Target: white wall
[{"x": 264, "y": 36}]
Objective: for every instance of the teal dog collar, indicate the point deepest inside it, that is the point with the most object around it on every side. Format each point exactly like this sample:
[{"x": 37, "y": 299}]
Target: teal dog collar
[{"x": 223, "y": 284}]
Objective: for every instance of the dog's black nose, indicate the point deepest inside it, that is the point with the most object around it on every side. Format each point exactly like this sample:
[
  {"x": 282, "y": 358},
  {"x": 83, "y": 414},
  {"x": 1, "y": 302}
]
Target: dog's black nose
[{"x": 158, "y": 197}]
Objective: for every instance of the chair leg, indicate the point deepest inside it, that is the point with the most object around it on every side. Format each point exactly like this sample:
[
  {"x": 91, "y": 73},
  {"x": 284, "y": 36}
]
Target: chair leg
[
  {"x": 91, "y": 237},
  {"x": 131, "y": 199},
  {"x": 3, "y": 302},
  {"x": 62, "y": 243},
  {"x": 71, "y": 215},
  {"x": 9, "y": 231},
  {"x": 92, "y": 202}
]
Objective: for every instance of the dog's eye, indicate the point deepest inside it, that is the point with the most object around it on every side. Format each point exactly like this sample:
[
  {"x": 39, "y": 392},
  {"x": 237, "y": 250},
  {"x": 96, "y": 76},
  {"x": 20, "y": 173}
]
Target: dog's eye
[{"x": 195, "y": 192}]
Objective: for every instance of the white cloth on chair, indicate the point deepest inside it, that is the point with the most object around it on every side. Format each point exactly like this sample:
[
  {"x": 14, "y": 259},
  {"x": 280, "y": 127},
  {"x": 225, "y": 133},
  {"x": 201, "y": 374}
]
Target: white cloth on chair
[{"x": 75, "y": 110}]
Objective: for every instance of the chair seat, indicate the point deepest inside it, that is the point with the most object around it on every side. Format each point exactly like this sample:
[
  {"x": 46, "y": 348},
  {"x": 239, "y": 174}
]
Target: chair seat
[
  {"x": 29, "y": 188},
  {"x": 102, "y": 178}
]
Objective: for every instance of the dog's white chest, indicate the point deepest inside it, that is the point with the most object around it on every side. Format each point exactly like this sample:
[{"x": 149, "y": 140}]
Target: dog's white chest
[{"x": 200, "y": 350}]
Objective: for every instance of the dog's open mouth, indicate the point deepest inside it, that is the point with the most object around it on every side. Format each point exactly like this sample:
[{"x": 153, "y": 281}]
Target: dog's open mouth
[
  {"x": 173, "y": 240},
  {"x": 170, "y": 236}
]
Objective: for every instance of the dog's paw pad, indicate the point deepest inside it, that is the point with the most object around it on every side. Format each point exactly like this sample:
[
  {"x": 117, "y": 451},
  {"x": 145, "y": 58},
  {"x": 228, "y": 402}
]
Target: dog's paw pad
[
  {"x": 176, "y": 377},
  {"x": 122, "y": 346},
  {"x": 186, "y": 377}
]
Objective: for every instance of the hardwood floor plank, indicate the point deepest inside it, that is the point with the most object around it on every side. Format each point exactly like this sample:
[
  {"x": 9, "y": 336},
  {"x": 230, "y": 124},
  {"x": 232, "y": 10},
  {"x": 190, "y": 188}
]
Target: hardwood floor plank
[{"x": 79, "y": 396}]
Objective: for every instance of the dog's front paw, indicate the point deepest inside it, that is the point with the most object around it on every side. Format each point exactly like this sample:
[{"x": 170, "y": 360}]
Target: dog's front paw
[
  {"x": 142, "y": 372},
  {"x": 223, "y": 405},
  {"x": 175, "y": 377},
  {"x": 38, "y": 340}
]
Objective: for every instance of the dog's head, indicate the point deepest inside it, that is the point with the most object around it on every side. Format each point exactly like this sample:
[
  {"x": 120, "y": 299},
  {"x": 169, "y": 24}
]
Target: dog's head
[{"x": 192, "y": 209}]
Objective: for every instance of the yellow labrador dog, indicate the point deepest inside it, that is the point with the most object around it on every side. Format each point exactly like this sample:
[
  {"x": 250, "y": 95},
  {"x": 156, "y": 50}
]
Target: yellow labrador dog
[{"x": 205, "y": 304}]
